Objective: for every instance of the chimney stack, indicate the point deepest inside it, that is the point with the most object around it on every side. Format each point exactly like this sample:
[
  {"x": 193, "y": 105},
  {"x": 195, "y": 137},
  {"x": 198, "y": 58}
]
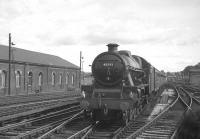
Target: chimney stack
[{"x": 112, "y": 47}]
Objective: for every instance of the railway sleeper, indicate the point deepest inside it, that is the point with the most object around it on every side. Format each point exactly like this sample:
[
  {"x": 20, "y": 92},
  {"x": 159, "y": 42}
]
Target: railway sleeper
[
  {"x": 163, "y": 132},
  {"x": 144, "y": 137},
  {"x": 99, "y": 137},
  {"x": 101, "y": 134},
  {"x": 61, "y": 135},
  {"x": 154, "y": 135},
  {"x": 10, "y": 134},
  {"x": 162, "y": 129},
  {"x": 69, "y": 131},
  {"x": 164, "y": 126}
]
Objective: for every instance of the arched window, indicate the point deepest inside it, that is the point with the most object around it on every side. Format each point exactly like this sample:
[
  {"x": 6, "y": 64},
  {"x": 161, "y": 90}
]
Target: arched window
[
  {"x": 67, "y": 78},
  {"x": 30, "y": 78},
  {"x": 60, "y": 79},
  {"x": 72, "y": 79},
  {"x": 3, "y": 79},
  {"x": 40, "y": 79},
  {"x": 53, "y": 81},
  {"x": 18, "y": 79}
]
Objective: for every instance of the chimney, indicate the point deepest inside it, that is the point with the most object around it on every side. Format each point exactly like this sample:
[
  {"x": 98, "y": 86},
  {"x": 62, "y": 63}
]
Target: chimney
[{"x": 112, "y": 47}]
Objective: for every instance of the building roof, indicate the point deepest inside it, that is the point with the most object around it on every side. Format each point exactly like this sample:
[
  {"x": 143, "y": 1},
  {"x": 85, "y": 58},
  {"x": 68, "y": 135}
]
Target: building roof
[
  {"x": 194, "y": 70},
  {"x": 21, "y": 55}
]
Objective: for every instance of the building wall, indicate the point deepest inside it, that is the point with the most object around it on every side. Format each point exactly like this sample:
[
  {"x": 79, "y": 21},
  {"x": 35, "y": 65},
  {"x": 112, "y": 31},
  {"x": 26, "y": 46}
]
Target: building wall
[
  {"x": 195, "y": 78},
  {"x": 24, "y": 85},
  {"x": 86, "y": 78}
]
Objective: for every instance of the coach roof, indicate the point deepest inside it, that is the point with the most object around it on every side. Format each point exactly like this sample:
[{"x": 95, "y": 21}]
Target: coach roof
[{"x": 22, "y": 55}]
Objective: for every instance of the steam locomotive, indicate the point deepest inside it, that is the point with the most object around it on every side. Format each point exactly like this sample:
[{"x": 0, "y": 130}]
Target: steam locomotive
[{"x": 122, "y": 85}]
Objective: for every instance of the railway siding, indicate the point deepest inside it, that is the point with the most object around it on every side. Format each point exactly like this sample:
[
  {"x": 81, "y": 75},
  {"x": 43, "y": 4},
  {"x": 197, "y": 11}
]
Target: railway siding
[
  {"x": 37, "y": 126},
  {"x": 10, "y": 101},
  {"x": 71, "y": 128},
  {"x": 161, "y": 123},
  {"x": 26, "y": 110},
  {"x": 167, "y": 125}
]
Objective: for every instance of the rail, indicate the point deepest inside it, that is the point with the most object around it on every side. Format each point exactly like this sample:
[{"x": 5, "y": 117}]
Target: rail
[
  {"x": 188, "y": 106},
  {"x": 192, "y": 97},
  {"x": 28, "y": 122},
  {"x": 80, "y": 132},
  {"x": 46, "y": 135},
  {"x": 198, "y": 101},
  {"x": 133, "y": 135},
  {"x": 89, "y": 131}
]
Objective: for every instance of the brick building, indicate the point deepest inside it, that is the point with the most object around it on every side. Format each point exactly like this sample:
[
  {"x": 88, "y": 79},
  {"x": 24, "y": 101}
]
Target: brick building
[
  {"x": 86, "y": 78},
  {"x": 194, "y": 77},
  {"x": 191, "y": 74},
  {"x": 34, "y": 72}
]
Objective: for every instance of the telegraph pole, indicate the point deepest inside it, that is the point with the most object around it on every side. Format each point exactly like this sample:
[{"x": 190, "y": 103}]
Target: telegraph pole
[
  {"x": 81, "y": 57},
  {"x": 9, "y": 63},
  {"x": 80, "y": 70},
  {"x": 83, "y": 72}
]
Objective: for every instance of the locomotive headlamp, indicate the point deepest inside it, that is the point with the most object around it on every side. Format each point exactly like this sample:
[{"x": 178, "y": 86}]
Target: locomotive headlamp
[
  {"x": 83, "y": 94},
  {"x": 84, "y": 104},
  {"x": 131, "y": 95},
  {"x": 123, "y": 82},
  {"x": 124, "y": 106}
]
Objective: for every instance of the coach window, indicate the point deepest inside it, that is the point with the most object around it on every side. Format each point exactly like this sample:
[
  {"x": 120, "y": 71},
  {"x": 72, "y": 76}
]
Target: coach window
[
  {"x": 3, "y": 79},
  {"x": 18, "y": 79},
  {"x": 53, "y": 78},
  {"x": 30, "y": 78},
  {"x": 40, "y": 79}
]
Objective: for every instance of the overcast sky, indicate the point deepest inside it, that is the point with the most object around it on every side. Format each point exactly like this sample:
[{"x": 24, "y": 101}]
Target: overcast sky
[{"x": 165, "y": 32}]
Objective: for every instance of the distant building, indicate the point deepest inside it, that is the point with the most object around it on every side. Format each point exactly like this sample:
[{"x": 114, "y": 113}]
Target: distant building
[
  {"x": 171, "y": 76},
  {"x": 194, "y": 77},
  {"x": 175, "y": 76},
  {"x": 34, "y": 72},
  {"x": 191, "y": 74},
  {"x": 86, "y": 78}
]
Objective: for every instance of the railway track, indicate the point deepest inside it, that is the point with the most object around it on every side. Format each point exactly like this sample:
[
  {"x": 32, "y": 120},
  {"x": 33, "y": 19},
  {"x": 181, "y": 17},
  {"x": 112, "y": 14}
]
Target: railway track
[
  {"x": 195, "y": 99},
  {"x": 142, "y": 122},
  {"x": 75, "y": 127},
  {"x": 34, "y": 127},
  {"x": 195, "y": 92},
  {"x": 102, "y": 130},
  {"x": 18, "y": 112},
  {"x": 162, "y": 128},
  {"x": 13, "y": 109},
  {"x": 165, "y": 125}
]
